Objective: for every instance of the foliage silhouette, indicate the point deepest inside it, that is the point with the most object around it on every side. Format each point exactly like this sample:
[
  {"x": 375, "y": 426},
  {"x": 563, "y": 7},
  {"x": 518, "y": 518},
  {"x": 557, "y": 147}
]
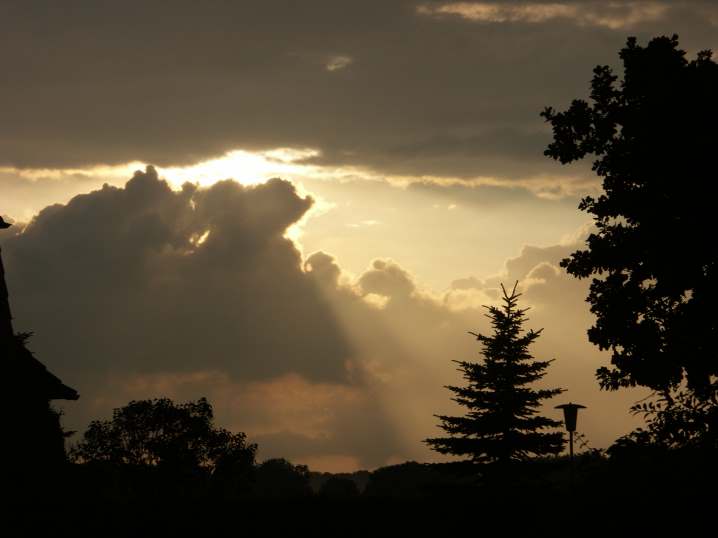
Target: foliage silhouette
[
  {"x": 502, "y": 422},
  {"x": 676, "y": 420},
  {"x": 279, "y": 478},
  {"x": 655, "y": 275},
  {"x": 653, "y": 138},
  {"x": 161, "y": 433}
]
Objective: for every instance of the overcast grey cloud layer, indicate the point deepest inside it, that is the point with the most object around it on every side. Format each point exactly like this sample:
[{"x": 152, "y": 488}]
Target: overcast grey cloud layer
[{"x": 404, "y": 86}]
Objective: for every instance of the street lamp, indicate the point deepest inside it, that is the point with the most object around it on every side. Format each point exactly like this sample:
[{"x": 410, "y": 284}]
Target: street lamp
[{"x": 570, "y": 413}]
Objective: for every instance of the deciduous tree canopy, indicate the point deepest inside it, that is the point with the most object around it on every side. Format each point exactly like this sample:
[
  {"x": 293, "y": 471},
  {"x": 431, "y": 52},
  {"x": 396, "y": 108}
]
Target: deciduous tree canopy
[
  {"x": 160, "y": 432},
  {"x": 652, "y": 257}
]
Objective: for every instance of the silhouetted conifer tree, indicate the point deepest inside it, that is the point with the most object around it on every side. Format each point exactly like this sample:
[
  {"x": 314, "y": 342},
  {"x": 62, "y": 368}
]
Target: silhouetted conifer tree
[{"x": 502, "y": 422}]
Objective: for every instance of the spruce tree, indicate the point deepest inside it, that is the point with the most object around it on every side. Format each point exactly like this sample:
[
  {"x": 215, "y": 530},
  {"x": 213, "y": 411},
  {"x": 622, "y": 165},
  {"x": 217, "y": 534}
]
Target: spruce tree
[{"x": 502, "y": 423}]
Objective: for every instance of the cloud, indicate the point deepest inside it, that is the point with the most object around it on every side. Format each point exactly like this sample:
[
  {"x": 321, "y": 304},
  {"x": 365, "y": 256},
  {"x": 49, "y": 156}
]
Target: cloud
[
  {"x": 194, "y": 82},
  {"x": 336, "y": 63},
  {"x": 125, "y": 265},
  {"x": 613, "y": 15},
  {"x": 388, "y": 279}
]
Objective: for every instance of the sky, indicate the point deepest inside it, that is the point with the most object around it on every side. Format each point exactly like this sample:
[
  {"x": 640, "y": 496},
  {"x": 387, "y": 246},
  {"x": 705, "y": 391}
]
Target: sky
[{"x": 298, "y": 209}]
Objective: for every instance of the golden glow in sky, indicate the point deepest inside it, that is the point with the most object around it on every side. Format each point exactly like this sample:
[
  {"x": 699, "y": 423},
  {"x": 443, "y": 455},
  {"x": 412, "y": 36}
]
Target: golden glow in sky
[
  {"x": 249, "y": 168},
  {"x": 358, "y": 213}
]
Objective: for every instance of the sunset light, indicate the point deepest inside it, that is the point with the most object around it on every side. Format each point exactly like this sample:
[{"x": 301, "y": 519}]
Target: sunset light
[{"x": 351, "y": 259}]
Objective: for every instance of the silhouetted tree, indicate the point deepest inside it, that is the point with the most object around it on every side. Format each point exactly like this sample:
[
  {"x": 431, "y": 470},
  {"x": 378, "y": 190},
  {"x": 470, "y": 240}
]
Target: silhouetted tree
[
  {"x": 502, "y": 422},
  {"x": 234, "y": 467},
  {"x": 676, "y": 420},
  {"x": 653, "y": 137},
  {"x": 161, "y": 433},
  {"x": 279, "y": 478}
]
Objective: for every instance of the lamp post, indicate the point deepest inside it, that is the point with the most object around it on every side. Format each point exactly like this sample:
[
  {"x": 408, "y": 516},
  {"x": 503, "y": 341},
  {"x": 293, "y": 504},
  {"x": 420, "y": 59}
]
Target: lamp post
[{"x": 570, "y": 413}]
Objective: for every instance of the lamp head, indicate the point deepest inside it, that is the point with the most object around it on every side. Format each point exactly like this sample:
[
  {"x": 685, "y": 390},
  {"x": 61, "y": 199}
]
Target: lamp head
[{"x": 570, "y": 413}]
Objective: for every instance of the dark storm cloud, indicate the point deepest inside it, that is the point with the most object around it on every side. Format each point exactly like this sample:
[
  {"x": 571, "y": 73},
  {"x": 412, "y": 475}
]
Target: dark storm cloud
[
  {"x": 146, "y": 279},
  {"x": 371, "y": 83}
]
